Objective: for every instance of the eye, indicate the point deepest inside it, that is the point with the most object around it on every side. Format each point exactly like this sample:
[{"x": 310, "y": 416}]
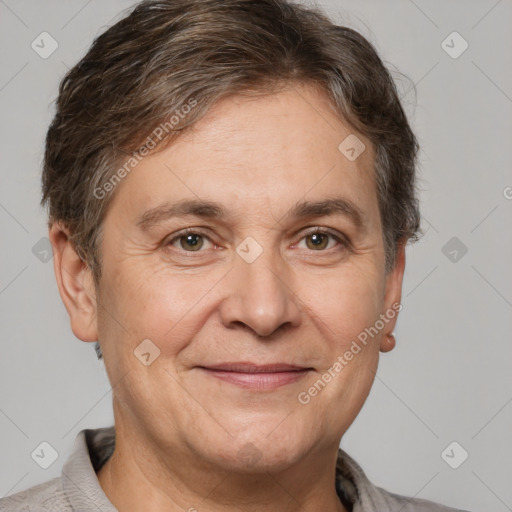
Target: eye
[
  {"x": 318, "y": 240},
  {"x": 190, "y": 241}
]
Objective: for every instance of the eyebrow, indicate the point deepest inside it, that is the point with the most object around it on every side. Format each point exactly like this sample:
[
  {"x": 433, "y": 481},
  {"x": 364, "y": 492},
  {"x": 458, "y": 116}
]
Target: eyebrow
[{"x": 214, "y": 210}]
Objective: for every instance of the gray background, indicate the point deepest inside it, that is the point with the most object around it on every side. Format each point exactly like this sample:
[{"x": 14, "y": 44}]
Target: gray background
[{"x": 449, "y": 377}]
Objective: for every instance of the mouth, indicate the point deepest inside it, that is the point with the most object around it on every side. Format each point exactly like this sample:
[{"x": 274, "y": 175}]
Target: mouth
[{"x": 257, "y": 376}]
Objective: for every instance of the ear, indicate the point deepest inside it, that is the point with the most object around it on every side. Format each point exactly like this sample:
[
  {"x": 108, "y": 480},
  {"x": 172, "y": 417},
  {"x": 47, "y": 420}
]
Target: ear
[
  {"x": 392, "y": 298},
  {"x": 76, "y": 284}
]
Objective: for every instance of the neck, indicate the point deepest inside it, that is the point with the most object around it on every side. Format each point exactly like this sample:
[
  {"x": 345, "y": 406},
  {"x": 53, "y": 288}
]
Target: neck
[{"x": 139, "y": 477}]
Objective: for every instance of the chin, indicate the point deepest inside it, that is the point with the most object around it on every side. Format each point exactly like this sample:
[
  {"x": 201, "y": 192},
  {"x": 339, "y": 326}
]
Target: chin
[
  {"x": 254, "y": 450},
  {"x": 251, "y": 459}
]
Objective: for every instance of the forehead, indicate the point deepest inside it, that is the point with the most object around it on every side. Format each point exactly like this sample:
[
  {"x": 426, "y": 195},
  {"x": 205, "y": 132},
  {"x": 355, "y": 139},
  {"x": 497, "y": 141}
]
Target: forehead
[{"x": 258, "y": 152}]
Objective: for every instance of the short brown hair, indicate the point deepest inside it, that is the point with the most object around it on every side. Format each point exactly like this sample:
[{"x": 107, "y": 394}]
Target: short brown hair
[{"x": 167, "y": 54}]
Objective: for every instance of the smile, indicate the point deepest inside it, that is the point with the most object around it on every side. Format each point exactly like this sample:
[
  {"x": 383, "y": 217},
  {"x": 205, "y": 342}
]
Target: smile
[{"x": 260, "y": 377}]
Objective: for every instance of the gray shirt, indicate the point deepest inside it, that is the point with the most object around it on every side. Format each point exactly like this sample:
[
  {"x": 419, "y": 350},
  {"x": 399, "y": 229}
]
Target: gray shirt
[{"x": 78, "y": 488}]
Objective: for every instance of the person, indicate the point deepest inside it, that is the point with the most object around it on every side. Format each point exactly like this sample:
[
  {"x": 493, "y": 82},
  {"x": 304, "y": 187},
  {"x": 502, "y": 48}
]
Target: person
[{"x": 231, "y": 187}]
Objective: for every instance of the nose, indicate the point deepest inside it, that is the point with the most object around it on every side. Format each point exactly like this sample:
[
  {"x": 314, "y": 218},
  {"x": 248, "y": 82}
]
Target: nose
[{"x": 258, "y": 297}]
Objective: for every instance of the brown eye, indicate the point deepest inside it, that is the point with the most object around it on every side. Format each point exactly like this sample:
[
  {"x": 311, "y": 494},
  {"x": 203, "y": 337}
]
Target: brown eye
[
  {"x": 323, "y": 241},
  {"x": 317, "y": 241},
  {"x": 191, "y": 242}
]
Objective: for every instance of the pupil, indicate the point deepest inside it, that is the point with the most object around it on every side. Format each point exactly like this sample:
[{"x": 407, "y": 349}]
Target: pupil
[
  {"x": 193, "y": 242},
  {"x": 317, "y": 241}
]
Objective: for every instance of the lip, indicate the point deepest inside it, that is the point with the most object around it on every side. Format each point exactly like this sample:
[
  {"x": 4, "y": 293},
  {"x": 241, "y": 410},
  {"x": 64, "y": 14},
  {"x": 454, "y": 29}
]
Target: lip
[{"x": 257, "y": 376}]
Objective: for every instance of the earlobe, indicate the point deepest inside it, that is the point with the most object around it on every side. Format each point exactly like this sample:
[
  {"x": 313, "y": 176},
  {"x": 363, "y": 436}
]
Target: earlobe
[
  {"x": 76, "y": 284},
  {"x": 387, "y": 343},
  {"x": 393, "y": 297}
]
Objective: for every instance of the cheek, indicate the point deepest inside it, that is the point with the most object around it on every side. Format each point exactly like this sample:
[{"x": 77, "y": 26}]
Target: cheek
[
  {"x": 152, "y": 303},
  {"x": 345, "y": 301}
]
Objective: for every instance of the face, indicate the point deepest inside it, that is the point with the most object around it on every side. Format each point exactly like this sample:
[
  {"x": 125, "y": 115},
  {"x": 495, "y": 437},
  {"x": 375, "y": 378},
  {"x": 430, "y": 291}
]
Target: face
[{"x": 250, "y": 254}]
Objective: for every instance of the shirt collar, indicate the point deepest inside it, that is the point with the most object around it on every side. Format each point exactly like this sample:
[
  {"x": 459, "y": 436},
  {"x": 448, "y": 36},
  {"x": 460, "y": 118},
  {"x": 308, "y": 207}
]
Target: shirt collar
[
  {"x": 81, "y": 485},
  {"x": 93, "y": 447}
]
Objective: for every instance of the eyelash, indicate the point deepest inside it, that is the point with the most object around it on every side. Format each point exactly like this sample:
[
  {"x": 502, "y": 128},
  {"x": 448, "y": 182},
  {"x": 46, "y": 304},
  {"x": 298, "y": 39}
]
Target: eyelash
[{"x": 341, "y": 239}]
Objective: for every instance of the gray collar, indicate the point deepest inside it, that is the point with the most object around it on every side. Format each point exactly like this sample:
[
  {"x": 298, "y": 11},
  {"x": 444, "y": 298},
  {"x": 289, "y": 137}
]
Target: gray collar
[{"x": 93, "y": 447}]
